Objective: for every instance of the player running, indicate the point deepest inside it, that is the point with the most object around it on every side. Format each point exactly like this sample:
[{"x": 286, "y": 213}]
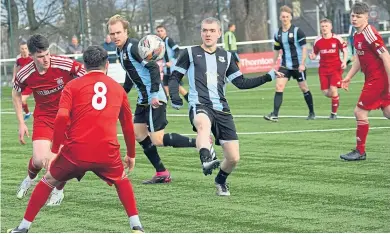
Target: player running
[
  {"x": 209, "y": 69},
  {"x": 328, "y": 46},
  {"x": 171, "y": 53},
  {"x": 373, "y": 59},
  {"x": 21, "y": 60},
  {"x": 46, "y": 76}
]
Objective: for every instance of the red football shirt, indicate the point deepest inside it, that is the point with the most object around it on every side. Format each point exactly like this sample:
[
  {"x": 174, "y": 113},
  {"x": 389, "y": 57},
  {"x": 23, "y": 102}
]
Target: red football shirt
[
  {"x": 47, "y": 87},
  {"x": 22, "y": 61},
  {"x": 369, "y": 45},
  {"x": 93, "y": 104},
  {"x": 329, "y": 50}
]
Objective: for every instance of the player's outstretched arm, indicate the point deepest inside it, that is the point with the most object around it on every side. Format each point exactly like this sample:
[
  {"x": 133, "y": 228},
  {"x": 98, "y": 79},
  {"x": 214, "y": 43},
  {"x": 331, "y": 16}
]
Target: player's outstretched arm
[
  {"x": 126, "y": 120},
  {"x": 244, "y": 83},
  {"x": 179, "y": 71}
]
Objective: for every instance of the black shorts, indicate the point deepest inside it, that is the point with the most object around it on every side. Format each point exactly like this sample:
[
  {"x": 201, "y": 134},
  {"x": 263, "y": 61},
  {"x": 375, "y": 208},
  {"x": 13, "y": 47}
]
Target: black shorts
[
  {"x": 222, "y": 124},
  {"x": 166, "y": 79},
  {"x": 295, "y": 74},
  {"x": 155, "y": 118}
]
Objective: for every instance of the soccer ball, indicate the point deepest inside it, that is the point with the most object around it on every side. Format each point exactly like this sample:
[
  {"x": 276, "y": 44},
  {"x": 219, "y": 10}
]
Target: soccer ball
[{"x": 151, "y": 48}]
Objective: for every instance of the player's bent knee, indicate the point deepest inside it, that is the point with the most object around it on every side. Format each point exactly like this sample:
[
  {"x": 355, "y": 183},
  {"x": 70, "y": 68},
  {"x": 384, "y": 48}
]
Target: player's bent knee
[
  {"x": 51, "y": 180},
  {"x": 157, "y": 141}
]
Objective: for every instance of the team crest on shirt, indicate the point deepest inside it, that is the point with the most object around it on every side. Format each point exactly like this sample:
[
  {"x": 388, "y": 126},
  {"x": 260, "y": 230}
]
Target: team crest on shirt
[
  {"x": 290, "y": 35},
  {"x": 221, "y": 59},
  {"x": 333, "y": 45},
  {"x": 124, "y": 56},
  {"x": 359, "y": 45},
  {"x": 60, "y": 81}
]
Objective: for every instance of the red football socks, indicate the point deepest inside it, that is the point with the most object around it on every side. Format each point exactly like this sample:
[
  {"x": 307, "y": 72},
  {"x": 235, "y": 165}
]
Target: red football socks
[
  {"x": 32, "y": 170},
  {"x": 126, "y": 195},
  {"x": 361, "y": 136},
  {"x": 38, "y": 199},
  {"x": 335, "y": 104}
]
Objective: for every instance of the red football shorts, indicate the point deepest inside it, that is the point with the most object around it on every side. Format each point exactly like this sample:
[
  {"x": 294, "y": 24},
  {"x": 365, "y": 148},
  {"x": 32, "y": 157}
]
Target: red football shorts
[
  {"x": 27, "y": 91},
  {"x": 43, "y": 128},
  {"x": 63, "y": 169},
  {"x": 330, "y": 77},
  {"x": 374, "y": 95}
]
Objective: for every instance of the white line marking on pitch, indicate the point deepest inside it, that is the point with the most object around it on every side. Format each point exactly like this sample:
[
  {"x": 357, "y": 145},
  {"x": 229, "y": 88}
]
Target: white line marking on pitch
[
  {"x": 295, "y": 131},
  {"x": 273, "y": 88},
  {"x": 250, "y": 116}
]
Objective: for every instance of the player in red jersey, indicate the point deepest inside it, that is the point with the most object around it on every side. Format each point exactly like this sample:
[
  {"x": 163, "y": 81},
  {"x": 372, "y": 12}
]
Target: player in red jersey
[
  {"x": 93, "y": 105},
  {"x": 22, "y": 59},
  {"x": 328, "y": 46},
  {"x": 46, "y": 75},
  {"x": 373, "y": 59}
]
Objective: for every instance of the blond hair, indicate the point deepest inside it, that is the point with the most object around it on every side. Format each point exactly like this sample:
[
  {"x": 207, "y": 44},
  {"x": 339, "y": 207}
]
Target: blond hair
[
  {"x": 325, "y": 20},
  {"x": 285, "y": 8},
  {"x": 118, "y": 18}
]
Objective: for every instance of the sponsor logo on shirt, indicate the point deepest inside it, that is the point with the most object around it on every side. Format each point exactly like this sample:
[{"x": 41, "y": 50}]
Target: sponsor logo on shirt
[
  {"x": 329, "y": 51},
  {"x": 359, "y": 45}
]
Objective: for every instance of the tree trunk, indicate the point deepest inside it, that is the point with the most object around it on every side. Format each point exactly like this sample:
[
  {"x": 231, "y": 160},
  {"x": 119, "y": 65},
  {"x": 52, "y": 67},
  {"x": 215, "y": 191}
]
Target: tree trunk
[
  {"x": 32, "y": 20},
  {"x": 250, "y": 17},
  {"x": 13, "y": 22}
]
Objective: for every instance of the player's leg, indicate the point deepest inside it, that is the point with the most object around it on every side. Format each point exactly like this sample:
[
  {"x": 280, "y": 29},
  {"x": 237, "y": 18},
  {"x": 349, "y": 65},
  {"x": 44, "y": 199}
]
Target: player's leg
[
  {"x": 278, "y": 98},
  {"x": 334, "y": 95},
  {"x": 231, "y": 157},
  {"x": 41, "y": 148},
  {"x": 227, "y": 135},
  {"x": 142, "y": 137},
  {"x": 157, "y": 121},
  {"x": 27, "y": 113},
  {"x": 165, "y": 84},
  {"x": 60, "y": 171},
  {"x": 362, "y": 128},
  {"x": 386, "y": 110},
  {"x": 202, "y": 122},
  {"x": 334, "y": 84},
  {"x": 302, "y": 83},
  {"x": 113, "y": 173},
  {"x": 183, "y": 91}
]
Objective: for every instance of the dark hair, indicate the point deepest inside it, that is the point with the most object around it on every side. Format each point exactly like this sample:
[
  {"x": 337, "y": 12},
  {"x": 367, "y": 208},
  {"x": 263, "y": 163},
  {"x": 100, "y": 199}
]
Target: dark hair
[
  {"x": 230, "y": 25},
  {"x": 23, "y": 43},
  {"x": 161, "y": 26},
  {"x": 360, "y": 8},
  {"x": 95, "y": 58},
  {"x": 37, "y": 43}
]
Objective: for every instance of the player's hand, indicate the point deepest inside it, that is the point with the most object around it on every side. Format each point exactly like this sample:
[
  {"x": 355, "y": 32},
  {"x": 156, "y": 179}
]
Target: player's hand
[
  {"x": 168, "y": 64},
  {"x": 301, "y": 68},
  {"x": 155, "y": 103},
  {"x": 23, "y": 130},
  {"x": 48, "y": 160},
  {"x": 129, "y": 163},
  {"x": 279, "y": 74},
  {"x": 312, "y": 56},
  {"x": 343, "y": 65},
  {"x": 345, "y": 83}
]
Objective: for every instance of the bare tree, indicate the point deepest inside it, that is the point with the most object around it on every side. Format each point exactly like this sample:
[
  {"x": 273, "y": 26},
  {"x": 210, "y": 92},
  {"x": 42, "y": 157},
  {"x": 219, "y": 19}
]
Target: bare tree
[{"x": 250, "y": 17}]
